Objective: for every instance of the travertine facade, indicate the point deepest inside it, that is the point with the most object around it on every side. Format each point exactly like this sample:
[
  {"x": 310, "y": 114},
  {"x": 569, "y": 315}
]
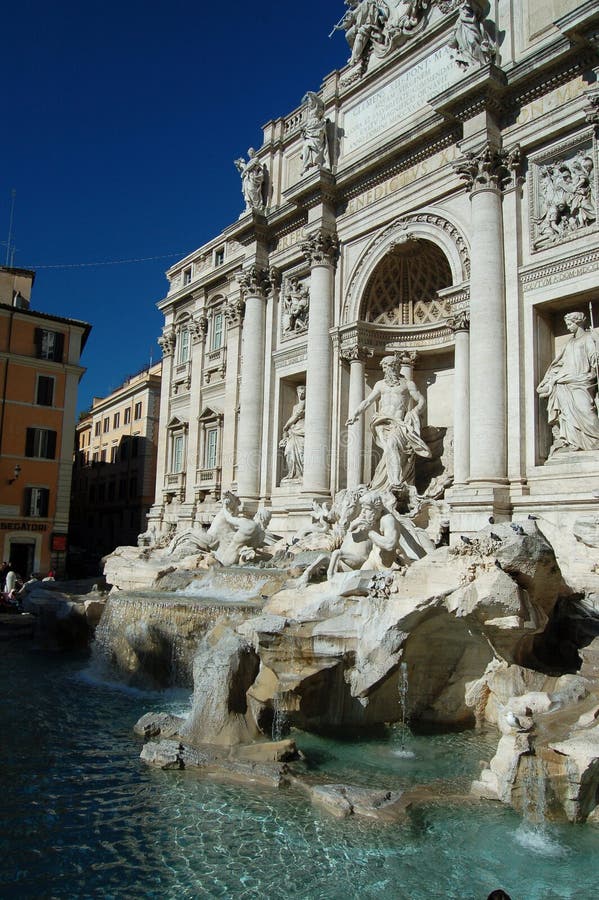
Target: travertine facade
[{"x": 435, "y": 202}]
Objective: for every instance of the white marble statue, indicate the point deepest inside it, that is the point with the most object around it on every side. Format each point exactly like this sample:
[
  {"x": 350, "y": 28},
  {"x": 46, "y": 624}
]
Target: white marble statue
[
  {"x": 314, "y": 133},
  {"x": 376, "y": 539},
  {"x": 247, "y": 538},
  {"x": 252, "y": 181},
  {"x": 296, "y": 308},
  {"x": 395, "y": 426},
  {"x": 363, "y": 24},
  {"x": 294, "y": 431},
  {"x": 185, "y": 543},
  {"x": 570, "y": 386},
  {"x": 470, "y": 44}
]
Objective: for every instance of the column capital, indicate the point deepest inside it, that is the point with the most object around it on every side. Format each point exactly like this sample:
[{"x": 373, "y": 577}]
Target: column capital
[
  {"x": 198, "y": 328},
  {"x": 167, "y": 341},
  {"x": 459, "y": 322},
  {"x": 489, "y": 168},
  {"x": 354, "y": 353},
  {"x": 406, "y": 357},
  {"x": 254, "y": 281},
  {"x": 234, "y": 311},
  {"x": 591, "y": 107},
  {"x": 321, "y": 248}
]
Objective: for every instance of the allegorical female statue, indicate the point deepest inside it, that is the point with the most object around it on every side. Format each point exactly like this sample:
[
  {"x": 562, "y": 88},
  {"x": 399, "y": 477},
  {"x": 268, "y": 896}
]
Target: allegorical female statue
[
  {"x": 252, "y": 181},
  {"x": 570, "y": 386},
  {"x": 294, "y": 431}
]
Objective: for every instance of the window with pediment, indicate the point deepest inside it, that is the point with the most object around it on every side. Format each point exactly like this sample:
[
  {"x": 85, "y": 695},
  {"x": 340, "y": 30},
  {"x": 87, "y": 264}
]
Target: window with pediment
[{"x": 403, "y": 289}]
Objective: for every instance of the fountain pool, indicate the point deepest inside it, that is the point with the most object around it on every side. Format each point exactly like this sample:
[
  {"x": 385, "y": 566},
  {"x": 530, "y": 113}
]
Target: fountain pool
[{"x": 83, "y": 817}]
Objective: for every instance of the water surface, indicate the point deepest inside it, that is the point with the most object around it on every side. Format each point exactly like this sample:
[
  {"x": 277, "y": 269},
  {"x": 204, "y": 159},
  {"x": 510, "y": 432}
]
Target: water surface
[{"x": 83, "y": 817}]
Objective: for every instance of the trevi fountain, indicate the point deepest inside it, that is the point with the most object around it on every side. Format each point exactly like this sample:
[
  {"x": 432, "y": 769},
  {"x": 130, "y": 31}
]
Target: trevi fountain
[{"x": 373, "y": 557}]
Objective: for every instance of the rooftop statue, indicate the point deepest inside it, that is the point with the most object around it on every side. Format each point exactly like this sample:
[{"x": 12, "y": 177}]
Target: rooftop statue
[
  {"x": 314, "y": 133},
  {"x": 395, "y": 427},
  {"x": 379, "y": 26},
  {"x": 470, "y": 44},
  {"x": 253, "y": 181},
  {"x": 292, "y": 441},
  {"x": 570, "y": 386}
]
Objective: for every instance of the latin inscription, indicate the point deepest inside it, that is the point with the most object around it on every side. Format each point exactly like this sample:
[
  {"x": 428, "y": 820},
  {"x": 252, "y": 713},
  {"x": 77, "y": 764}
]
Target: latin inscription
[{"x": 399, "y": 99}]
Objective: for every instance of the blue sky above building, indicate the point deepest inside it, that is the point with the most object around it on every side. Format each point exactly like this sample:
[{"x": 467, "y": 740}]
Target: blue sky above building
[{"x": 122, "y": 121}]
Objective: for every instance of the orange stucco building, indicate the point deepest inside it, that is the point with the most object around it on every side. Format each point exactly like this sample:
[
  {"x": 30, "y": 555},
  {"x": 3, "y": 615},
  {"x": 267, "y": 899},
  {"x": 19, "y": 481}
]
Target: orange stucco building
[{"x": 39, "y": 375}]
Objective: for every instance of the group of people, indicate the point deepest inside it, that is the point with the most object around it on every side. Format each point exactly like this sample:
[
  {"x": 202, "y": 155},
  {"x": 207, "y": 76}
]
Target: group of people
[{"x": 13, "y": 587}]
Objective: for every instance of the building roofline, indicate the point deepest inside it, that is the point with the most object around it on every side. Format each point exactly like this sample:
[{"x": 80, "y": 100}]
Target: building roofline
[
  {"x": 36, "y": 314},
  {"x": 16, "y": 271}
]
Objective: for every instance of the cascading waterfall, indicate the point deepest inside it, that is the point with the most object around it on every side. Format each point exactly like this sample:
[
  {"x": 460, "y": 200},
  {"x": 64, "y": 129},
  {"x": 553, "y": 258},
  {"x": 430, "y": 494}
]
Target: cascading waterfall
[
  {"x": 533, "y": 833},
  {"x": 280, "y": 721}
]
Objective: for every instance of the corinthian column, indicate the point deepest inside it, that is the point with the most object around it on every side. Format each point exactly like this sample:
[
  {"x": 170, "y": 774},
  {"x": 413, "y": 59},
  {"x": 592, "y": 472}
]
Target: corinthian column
[
  {"x": 487, "y": 172},
  {"x": 356, "y": 357},
  {"x": 167, "y": 344},
  {"x": 460, "y": 325},
  {"x": 254, "y": 284},
  {"x": 197, "y": 328},
  {"x": 321, "y": 250}
]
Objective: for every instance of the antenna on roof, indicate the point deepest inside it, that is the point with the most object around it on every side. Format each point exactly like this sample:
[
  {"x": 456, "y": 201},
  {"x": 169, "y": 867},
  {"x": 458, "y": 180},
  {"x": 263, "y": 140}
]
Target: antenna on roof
[{"x": 10, "y": 250}]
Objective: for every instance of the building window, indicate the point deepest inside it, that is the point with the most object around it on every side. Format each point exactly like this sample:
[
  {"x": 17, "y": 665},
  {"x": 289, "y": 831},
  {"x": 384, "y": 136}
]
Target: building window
[
  {"x": 36, "y": 502},
  {"x": 106, "y": 425},
  {"x": 45, "y": 390},
  {"x": 219, "y": 256},
  {"x": 95, "y": 457},
  {"x": 184, "y": 346},
  {"x": 127, "y": 415},
  {"x": 187, "y": 276},
  {"x": 40, "y": 443},
  {"x": 177, "y": 456},
  {"x": 216, "y": 339},
  {"x": 133, "y": 487},
  {"x": 116, "y": 420},
  {"x": 211, "y": 443},
  {"x": 103, "y": 456},
  {"x": 97, "y": 429},
  {"x": 137, "y": 411},
  {"x": 114, "y": 451},
  {"x": 49, "y": 344}
]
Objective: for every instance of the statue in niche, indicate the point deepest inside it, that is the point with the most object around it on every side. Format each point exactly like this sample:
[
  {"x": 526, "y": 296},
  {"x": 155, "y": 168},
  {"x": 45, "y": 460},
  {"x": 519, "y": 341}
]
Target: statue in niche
[
  {"x": 294, "y": 432},
  {"x": 567, "y": 201},
  {"x": 314, "y": 133},
  {"x": 395, "y": 427},
  {"x": 252, "y": 181},
  {"x": 296, "y": 303},
  {"x": 570, "y": 386},
  {"x": 470, "y": 44}
]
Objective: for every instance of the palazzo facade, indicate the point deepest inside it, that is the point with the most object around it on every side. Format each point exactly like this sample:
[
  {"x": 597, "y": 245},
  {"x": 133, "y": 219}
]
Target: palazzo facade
[{"x": 435, "y": 201}]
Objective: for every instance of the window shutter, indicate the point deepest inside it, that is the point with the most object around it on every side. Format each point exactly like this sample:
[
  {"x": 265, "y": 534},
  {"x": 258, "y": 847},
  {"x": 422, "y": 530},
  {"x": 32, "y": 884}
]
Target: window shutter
[
  {"x": 51, "y": 445},
  {"x": 30, "y": 442},
  {"x": 38, "y": 342},
  {"x": 44, "y": 497},
  {"x": 27, "y": 502},
  {"x": 58, "y": 346}
]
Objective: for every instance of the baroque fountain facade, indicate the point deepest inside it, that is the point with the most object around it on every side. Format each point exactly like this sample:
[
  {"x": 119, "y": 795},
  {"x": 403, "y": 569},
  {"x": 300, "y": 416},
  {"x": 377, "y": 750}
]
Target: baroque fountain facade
[{"x": 379, "y": 445}]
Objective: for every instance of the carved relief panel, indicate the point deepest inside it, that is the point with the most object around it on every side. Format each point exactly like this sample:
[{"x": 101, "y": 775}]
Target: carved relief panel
[{"x": 564, "y": 192}]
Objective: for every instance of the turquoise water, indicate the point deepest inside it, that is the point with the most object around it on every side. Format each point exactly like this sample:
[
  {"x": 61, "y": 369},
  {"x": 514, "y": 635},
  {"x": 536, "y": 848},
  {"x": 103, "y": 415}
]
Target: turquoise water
[{"x": 83, "y": 817}]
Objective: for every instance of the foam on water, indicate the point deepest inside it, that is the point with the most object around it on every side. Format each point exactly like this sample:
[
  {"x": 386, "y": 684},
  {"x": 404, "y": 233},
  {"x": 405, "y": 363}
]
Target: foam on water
[{"x": 539, "y": 840}]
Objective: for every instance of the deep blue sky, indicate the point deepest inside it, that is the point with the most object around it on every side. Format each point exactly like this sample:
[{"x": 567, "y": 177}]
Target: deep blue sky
[{"x": 121, "y": 121}]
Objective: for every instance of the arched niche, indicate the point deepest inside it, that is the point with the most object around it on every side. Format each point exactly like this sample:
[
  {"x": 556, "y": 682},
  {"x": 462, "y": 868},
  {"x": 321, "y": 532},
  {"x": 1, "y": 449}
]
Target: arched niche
[{"x": 418, "y": 240}]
